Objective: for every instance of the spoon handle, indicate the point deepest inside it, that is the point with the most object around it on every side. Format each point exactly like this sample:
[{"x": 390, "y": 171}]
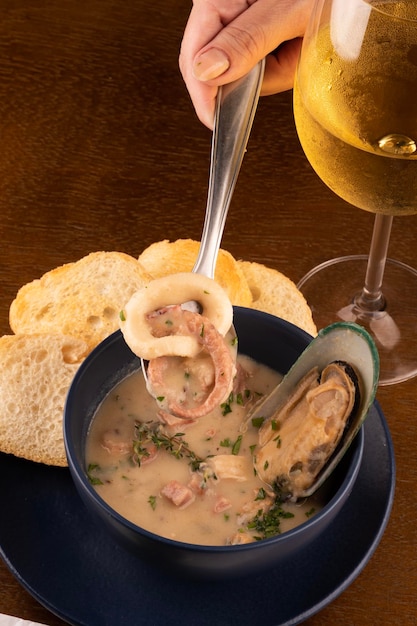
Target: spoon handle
[{"x": 235, "y": 110}]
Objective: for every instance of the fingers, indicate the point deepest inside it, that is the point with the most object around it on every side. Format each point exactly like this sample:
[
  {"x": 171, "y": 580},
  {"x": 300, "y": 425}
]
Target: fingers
[
  {"x": 206, "y": 20},
  {"x": 280, "y": 67},
  {"x": 224, "y": 39}
]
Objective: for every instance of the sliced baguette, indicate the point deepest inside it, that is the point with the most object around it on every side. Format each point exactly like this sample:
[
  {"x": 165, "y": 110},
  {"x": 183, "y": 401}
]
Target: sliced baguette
[
  {"x": 275, "y": 293},
  {"x": 170, "y": 257},
  {"x": 60, "y": 317},
  {"x": 81, "y": 299},
  {"x": 36, "y": 373}
]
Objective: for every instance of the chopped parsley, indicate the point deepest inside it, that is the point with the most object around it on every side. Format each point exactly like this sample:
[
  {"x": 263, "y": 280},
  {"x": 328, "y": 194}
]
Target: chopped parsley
[
  {"x": 91, "y": 469},
  {"x": 261, "y": 494},
  {"x": 239, "y": 398},
  {"x": 257, "y": 421},
  {"x": 226, "y": 406},
  {"x": 236, "y": 445},
  {"x": 278, "y": 440},
  {"x": 269, "y": 524}
]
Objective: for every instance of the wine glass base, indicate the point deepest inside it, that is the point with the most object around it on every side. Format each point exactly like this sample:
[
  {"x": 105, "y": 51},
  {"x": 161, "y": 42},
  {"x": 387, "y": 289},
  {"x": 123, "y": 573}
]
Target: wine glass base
[{"x": 330, "y": 289}]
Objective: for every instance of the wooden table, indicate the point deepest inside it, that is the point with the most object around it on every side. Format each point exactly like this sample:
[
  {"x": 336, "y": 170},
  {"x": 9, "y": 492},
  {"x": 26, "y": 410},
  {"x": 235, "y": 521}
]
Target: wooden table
[{"x": 100, "y": 149}]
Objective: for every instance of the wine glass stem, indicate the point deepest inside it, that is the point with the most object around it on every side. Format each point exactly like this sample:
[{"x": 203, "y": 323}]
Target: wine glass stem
[{"x": 371, "y": 297}]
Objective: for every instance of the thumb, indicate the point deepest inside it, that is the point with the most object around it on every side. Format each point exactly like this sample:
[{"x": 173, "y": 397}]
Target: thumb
[{"x": 248, "y": 38}]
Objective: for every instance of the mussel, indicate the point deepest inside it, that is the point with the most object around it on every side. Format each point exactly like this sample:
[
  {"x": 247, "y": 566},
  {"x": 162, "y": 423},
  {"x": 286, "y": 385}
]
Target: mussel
[{"x": 313, "y": 415}]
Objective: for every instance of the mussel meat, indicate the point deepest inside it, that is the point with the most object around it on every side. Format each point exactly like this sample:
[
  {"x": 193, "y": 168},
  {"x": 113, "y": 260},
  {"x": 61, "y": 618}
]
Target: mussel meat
[{"x": 312, "y": 416}]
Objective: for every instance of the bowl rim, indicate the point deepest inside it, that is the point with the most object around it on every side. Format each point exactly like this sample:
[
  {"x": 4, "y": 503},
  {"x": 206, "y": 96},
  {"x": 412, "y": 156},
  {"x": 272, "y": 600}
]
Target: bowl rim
[{"x": 79, "y": 474}]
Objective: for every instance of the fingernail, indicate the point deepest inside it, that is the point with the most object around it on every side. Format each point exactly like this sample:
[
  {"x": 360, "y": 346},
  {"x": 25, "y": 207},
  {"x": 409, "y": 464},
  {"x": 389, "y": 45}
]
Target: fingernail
[{"x": 210, "y": 64}]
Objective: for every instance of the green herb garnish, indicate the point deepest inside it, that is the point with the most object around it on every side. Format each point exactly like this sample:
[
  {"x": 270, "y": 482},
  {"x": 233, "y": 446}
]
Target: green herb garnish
[
  {"x": 236, "y": 445},
  {"x": 151, "y": 433},
  {"x": 269, "y": 524},
  {"x": 278, "y": 440},
  {"x": 94, "y": 480},
  {"x": 226, "y": 406},
  {"x": 257, "y": 421},
  {"x": 261, "y": 494}
]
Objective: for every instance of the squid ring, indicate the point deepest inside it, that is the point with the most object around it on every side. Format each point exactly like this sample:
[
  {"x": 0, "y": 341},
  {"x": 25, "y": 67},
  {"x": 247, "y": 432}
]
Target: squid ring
[{"x": 174, "y": 289}]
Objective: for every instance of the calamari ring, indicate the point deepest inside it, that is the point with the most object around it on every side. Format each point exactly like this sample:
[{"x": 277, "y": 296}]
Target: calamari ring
[{"x": 173, "y": 290}]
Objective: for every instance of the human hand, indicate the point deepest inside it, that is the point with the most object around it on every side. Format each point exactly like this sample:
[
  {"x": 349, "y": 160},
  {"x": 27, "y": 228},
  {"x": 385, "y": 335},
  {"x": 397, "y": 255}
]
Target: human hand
[{"x": 224, "y": 39}]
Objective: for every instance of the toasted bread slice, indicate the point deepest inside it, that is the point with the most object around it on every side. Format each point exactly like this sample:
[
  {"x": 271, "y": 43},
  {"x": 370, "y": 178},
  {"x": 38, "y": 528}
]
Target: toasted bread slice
[
  {"x": 275, "y": 293},
  {"x": 81, "y": 299},
  {"x": 37, "y": 371},
  {"x": 165, "y": 257}
]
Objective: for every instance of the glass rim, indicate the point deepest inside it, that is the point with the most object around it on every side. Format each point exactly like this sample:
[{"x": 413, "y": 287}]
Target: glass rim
[{"x": 379, "y": 7}]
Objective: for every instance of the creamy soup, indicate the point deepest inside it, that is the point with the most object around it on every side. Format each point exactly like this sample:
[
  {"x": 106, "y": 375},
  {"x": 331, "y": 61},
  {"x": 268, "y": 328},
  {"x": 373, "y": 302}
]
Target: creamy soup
[{"x": 192, "y": 482}]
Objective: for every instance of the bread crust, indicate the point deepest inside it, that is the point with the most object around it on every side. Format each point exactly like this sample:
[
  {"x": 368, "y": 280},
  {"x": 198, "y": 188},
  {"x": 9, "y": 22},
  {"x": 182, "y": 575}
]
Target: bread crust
[
  {"x": 82, "y": 299},
  {"x": 273, "y": 292},
  {"x": 173, "y": 257}
]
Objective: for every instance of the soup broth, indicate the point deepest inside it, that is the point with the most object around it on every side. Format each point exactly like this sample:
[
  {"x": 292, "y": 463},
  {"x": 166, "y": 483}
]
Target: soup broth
[{"x": 191, "y": 482}]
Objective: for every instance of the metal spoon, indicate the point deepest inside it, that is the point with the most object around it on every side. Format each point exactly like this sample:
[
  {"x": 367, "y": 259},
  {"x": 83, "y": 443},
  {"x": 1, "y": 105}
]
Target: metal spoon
[{"x": 235, "y": 110}]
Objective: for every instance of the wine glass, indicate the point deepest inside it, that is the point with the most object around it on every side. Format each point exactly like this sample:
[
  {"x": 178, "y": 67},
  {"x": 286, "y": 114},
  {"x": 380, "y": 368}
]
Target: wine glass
[{"x": 355, "y": 106}]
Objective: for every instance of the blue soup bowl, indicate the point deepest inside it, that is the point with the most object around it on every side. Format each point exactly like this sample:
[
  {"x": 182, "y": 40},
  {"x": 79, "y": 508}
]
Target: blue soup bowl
[{"x": 267, "y": 339}]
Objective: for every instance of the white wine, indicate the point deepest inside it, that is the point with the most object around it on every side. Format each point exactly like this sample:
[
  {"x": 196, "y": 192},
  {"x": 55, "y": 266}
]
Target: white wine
[{"x": 357, "y": 117}]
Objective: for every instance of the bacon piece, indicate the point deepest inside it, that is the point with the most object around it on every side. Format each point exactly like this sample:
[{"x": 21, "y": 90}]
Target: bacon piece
[
  {"x": 179, "y": 494},
  {"x": 222, "y": 504}
]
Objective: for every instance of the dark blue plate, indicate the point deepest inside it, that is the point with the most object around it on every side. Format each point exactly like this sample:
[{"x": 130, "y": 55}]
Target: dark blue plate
[{"x": 72, "y": 567}]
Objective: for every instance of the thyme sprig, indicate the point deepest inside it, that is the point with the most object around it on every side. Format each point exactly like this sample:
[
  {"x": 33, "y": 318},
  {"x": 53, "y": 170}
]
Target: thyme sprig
[{"x": 149, "y": 434}]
